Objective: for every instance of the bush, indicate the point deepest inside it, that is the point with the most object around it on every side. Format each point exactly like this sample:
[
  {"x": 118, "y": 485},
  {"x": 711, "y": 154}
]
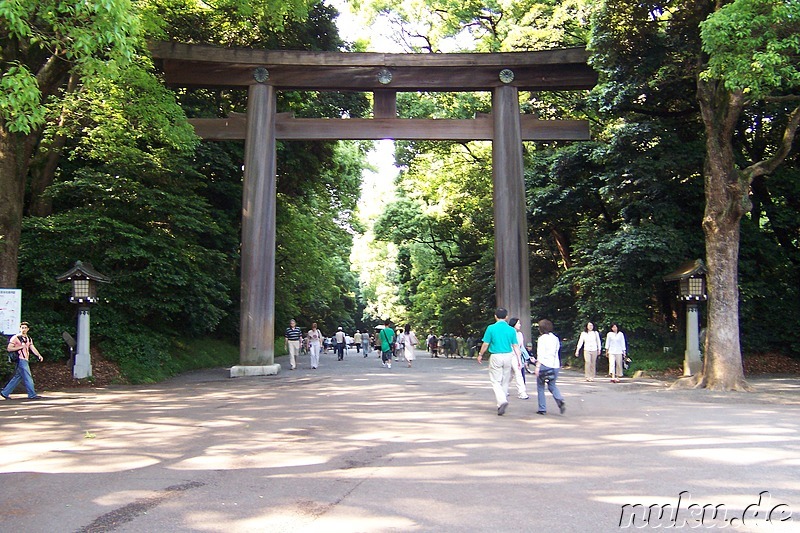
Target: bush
[{"x": 6, "y": 370}]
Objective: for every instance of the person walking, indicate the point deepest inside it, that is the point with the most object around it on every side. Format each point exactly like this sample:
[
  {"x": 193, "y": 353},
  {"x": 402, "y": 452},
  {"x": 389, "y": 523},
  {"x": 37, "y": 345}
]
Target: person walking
[
  {"x": 409, "y": 344},
  {"x": 518, "y": 369},
  {"x": 357, "y": 341},
  {"x": 433, "y": 345},
  {"x": 340, "y": 339},
  {"x": 292, "y": 342},
  {"x": 615, "y": 351},
  {"x": 366, "y": 344},
  {"x": 387, "y": 341},
  {"x": 314, "y": 344},
  {"x": 592, "y": 346},
  {"x": 19, "y": 349},
  {"x": 547, "y": 366},
  {"x": 500, "y": 340}
]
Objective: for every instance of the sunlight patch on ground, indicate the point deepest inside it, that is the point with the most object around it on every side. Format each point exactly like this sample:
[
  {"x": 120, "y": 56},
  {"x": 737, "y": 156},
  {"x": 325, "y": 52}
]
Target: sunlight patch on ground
[
  {"x": 85, "y": 462},
  {"x": 233, "y": 459},
  {"x": 345, "y": 521},
  {"x": 738, "y": 455}
]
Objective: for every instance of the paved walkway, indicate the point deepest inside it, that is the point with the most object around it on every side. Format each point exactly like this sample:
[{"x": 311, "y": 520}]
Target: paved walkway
[{"x": 354, "y": 447}]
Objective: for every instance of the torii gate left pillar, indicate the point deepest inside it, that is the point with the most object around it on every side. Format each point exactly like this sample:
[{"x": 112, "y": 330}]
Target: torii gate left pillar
[{"x": 257, "y": 322}]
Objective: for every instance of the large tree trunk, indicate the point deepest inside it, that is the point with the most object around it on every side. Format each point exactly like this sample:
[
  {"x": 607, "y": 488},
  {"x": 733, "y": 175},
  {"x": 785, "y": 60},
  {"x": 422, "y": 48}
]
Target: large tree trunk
[
  {"x": 723, "y": 368},
  {"x": 14, "y": 154},
  {"x": 726, "y": 194}
]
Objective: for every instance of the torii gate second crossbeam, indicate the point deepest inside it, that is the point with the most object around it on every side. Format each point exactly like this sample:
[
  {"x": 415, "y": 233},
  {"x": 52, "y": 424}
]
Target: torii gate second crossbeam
[{"x": 264, "y": 72}]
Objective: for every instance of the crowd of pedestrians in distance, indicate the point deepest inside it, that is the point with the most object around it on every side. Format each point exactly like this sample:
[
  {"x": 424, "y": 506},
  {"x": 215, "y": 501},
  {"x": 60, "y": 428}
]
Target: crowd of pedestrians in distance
[{"x": 510, "y": 355}]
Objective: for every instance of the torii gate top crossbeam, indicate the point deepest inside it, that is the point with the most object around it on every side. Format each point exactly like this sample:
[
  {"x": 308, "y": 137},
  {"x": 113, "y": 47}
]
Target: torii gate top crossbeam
[{"x": 211, "y": 66}]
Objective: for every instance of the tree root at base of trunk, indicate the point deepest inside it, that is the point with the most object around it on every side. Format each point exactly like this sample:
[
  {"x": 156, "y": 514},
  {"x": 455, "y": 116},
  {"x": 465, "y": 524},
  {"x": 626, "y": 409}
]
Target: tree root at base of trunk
[{"x": 699, "y": 381}]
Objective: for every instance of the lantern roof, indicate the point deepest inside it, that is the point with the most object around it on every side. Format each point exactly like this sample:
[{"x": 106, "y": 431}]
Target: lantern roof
[
  {"x": 689, "y": 269},
  {"x": 83, "y": 270}
]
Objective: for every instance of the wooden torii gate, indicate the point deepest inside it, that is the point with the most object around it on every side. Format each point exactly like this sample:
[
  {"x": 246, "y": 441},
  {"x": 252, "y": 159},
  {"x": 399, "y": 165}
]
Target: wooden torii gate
[{"x": 264, "y": 72}]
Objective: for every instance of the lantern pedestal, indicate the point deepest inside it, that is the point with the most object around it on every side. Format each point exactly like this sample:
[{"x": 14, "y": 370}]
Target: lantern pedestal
[
  {"x": 691, "y": 362},
  {"x": 83, "y": 358},
  {"x": 692, "y": 290}
]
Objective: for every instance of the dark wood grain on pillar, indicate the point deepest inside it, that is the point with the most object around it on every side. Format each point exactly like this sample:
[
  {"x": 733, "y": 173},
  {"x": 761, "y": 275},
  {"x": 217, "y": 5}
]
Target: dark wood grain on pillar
[
  {"x": 384, "y": 104},
  {"x": 257, "y": 342},
  {"x": 510, "y": 221}
]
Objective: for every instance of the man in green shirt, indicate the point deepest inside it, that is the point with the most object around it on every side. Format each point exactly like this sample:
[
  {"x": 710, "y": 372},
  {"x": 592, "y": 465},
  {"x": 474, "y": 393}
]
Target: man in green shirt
[
  {"x": 387, "y": 341},
  {"x": 500, "y": 339}
]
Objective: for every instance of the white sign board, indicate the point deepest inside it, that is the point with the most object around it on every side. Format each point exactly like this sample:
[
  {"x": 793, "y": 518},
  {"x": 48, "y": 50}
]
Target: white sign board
[{"x": 10, "y": 310}]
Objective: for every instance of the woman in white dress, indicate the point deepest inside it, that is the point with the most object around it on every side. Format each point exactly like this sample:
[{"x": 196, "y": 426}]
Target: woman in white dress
[{"x": 409, "y": 344}]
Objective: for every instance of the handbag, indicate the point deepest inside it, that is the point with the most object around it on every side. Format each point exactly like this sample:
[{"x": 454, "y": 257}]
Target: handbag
[{"x": 626, "y": 361}]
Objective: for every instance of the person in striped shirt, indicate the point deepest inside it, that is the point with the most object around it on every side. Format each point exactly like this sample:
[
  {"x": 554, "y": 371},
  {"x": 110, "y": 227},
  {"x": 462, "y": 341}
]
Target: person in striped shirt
[{"x": 293, "y": 336}]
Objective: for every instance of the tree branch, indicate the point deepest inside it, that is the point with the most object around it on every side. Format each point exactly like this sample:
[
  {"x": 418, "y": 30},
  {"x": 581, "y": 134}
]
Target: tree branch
[{"x": 767, "y": 166}]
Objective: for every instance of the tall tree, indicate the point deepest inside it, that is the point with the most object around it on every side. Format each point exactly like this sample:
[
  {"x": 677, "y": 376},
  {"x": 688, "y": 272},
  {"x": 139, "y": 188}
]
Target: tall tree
[
  {"x": 49, "y": 48},
  {"x": 41, "y": 43},
  {"x": 736, "y": 55},
  {"x": 752, "y": 53}
]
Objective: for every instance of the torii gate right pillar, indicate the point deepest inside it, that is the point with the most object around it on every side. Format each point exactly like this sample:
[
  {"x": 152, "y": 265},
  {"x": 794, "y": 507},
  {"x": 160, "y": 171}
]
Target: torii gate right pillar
[{"x": 510, "y": 218}]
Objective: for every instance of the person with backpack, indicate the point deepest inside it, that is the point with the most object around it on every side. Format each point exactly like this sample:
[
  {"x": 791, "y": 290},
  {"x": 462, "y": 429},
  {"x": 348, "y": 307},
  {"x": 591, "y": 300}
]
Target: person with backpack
[
  {"x": 386, "y": 336},
  {"x": 19, "y": 350}
]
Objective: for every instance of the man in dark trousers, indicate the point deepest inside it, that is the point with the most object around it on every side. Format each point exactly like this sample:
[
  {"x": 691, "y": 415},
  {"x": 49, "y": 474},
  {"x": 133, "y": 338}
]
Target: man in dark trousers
[
  {"x": 19, "y": 349},
  {"x": 386, "y": 337},
  {"x": 341, "y": 342}
]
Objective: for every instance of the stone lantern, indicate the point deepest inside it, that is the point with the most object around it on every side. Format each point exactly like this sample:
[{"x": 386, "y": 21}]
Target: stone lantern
[
  {"x": 692, "y": 290},
  {"x": 84, "y": 280}
]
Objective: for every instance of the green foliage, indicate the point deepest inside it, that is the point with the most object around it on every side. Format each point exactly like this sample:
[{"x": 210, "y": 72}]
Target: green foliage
[
  {"x": 655, "y": 360},
  {"x": 620, "y": 276},
  {"x": 147, "y": 240},
  {"x": 93, "y": 37},
  {"x": 197, "y": 353},
  {"x": 6, "y": 369},
  {"x": 650, "y": 57},
  {"x": 442, "y": 226},
  {"x": 145, "y": 357},
  {"x": 129, "y": 121},
  {"x": 19, "y": 100},
  {"x": 493, "y": 26},
  {"x": 753, "y": 46},
  {"x": 139, "y": 198}
]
